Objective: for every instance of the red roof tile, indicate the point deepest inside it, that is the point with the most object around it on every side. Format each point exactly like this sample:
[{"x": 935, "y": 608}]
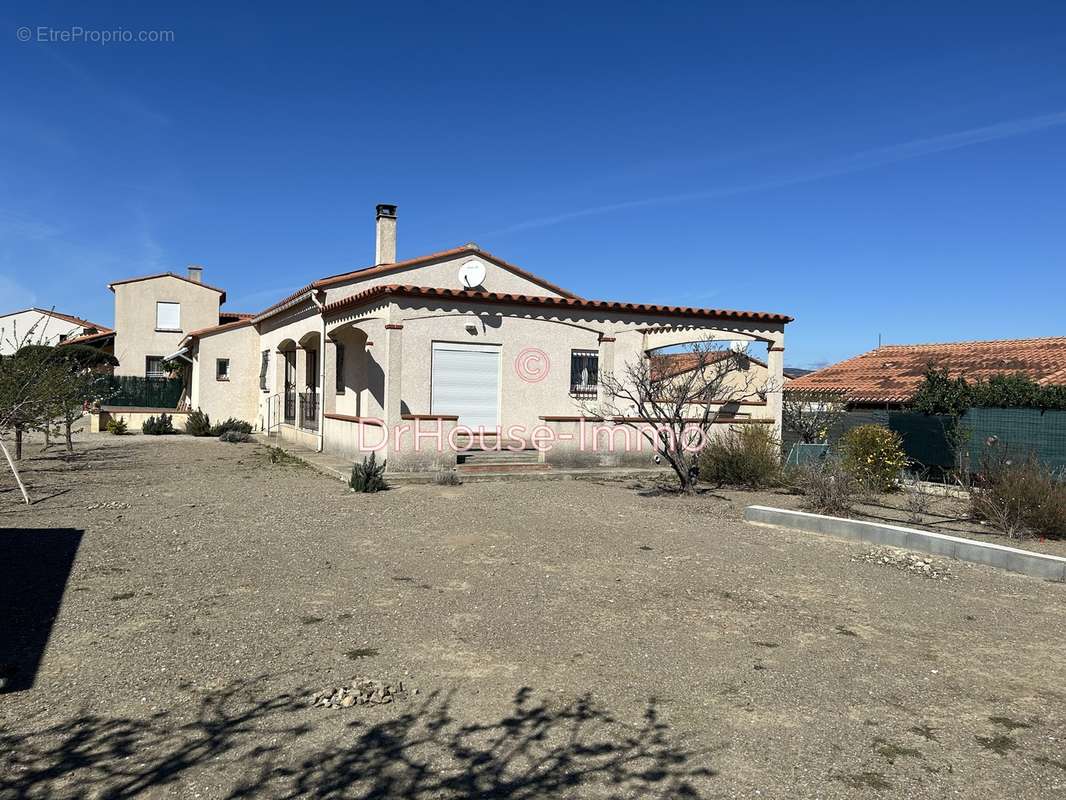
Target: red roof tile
[
  {"x": 395, "y": 290},
  {"x": 892, "y": 374},
  {"x": 222, "y": 293},
  {"x": 666, "y": 365},
  {"x": 384, "y": 269}
]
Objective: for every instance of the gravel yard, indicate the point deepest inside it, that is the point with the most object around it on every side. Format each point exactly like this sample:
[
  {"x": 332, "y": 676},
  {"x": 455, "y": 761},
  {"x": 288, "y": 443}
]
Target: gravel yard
[{"x": 552, "y": 639}]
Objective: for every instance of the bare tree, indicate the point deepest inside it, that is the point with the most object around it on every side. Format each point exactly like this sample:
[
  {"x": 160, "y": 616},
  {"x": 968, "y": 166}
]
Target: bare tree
[
  {"x": 812, "y": 415},
  {"x": 674, "y": 402}
]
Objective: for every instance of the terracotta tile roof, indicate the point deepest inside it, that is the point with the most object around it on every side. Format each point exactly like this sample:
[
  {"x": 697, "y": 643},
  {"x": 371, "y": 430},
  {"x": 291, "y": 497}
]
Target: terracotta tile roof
[
  {"x": 89, "y": 338},
  {"x": 394, "y": 290},
  {"x": 211, "y": 330},
  {"x": 222, "y": 293},
  {"x": 232, "y": 316},
  {"x": 892, "y": 374},
  {"x": 666, "y": 365},
  {"x": 384, "y": 269},
  {"x": 70, "y": 318}
]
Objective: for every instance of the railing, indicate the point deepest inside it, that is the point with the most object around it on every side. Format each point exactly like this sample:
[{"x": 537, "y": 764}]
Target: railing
[
  {"x": 583, "y": 390},
  {"x": 290, "y": 406},
  {"x": 309, "y": 411}
]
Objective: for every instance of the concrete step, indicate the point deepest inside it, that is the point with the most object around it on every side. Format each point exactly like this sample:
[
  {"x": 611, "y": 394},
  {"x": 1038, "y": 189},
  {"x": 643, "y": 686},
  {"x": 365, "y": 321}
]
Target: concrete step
[
  {"x": 501, "y": 468},
  {"x": 499, "y": 457}
]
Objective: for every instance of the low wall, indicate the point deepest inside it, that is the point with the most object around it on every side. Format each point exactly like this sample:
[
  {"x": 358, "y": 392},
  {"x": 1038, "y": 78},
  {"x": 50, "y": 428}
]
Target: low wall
[
  {"x": 420, "y": 444},
  {"x": 291, "y": 433},
  {"x": 583, "y": 442},
  {"x": 1026, "y": 562},
  {"x": 134, "y": 417}
]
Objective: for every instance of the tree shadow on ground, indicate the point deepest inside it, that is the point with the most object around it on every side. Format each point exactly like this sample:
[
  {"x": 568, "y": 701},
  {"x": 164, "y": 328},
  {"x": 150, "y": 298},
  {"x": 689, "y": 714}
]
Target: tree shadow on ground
[
  {"x": 242, "y": 745},
  {"x": 35, "y": 565}
]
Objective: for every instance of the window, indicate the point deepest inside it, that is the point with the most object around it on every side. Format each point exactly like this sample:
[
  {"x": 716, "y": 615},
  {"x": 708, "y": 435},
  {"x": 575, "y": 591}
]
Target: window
[
  {"x": 311, "y": 372},
  {"x": 153, "y": 367},
  {"x": 167, "y": 316},
  {"x": 263, "y": 370},
  {"x": 221, "y": 369},
  {"x": 340, "y": 368},
  {"x": 584, "y": 372}
]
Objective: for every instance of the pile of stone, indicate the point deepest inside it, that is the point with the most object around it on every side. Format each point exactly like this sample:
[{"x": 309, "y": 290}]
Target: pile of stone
[
  {"x": 112, "y": 504},
  {"x": 906, "y": 561},
  {"x": 362, "y": 692}
]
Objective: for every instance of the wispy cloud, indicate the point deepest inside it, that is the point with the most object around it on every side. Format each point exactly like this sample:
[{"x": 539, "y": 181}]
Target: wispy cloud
[{"x": 858, "y": 162}]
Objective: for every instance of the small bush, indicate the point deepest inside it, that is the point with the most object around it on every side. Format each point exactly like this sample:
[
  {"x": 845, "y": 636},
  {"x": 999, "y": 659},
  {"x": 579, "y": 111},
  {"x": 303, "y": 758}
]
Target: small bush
[
  {"x": 749, "y": 457},
  {"x": 117, "y": 427},
  {"x": 447, "y": 477},
  {"x": 198, "y": 424},
  {"x": 368, "y": 476},
  {"x": 234, "y": 437},
  {"x": 827, "y": 487},
  {"x": 874, "y": 456},
  {"x": 1019, "y": 497},
  {"x": 278, "y": 455},
  {"x": 231, "y": 424},
  {"x": 916, "y": 501},
  {"x": 163, "y": 425}
]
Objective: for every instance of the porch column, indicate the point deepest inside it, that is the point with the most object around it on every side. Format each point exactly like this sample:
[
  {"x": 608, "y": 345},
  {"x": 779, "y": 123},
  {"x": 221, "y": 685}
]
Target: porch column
[
  {"x": 329, "y": 377},
  {"x": 606, "y": 366},
  {"x": 775, "y": 362},
  {"x": 300, "y": 383},
  {"x": 393, "y": 374}
]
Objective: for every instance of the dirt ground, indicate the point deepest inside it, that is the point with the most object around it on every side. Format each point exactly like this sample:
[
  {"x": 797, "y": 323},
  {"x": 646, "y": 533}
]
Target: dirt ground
[{"x": 566, "y": 639}]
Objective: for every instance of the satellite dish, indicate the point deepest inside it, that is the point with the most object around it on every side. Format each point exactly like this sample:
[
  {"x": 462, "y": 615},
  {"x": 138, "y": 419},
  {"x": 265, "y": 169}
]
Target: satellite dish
[{"x": 472, "y": 273}]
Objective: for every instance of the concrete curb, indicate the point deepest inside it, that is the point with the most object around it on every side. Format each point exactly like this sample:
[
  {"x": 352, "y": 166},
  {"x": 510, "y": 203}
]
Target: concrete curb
[{"x": 1037, "y": 565}]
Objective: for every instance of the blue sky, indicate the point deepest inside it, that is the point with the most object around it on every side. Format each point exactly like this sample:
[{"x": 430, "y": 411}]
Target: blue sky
[{"x": 869, "y": 168}]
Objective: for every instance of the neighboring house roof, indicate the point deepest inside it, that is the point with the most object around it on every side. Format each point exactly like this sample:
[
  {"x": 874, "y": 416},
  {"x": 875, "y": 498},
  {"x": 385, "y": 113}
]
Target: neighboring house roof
[
  {"x": 232, "y": 316},
  {"x": 667, "y": 365},
  {"x": 791, "y": 373},
  {"x": 893, "y": 373},
  {"x": 394, "y": 290},
  {"x": 65, "y": 317},
  {"x": 385, "y": 269},
  {"x": 211, "y": 330},
  {"x": 113, "y": 284},
  {"x": 90, "y": 338}
]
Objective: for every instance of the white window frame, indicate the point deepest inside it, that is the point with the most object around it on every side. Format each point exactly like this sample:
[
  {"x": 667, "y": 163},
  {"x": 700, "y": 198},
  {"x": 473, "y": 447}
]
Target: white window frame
[{"x": 167, "y": 304}]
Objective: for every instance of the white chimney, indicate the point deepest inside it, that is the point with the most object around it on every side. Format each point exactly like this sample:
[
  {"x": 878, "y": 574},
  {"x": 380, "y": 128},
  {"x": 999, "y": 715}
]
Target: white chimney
[
  {"x": 385, "y": 241},
  {"x": 196, "y": 273}
]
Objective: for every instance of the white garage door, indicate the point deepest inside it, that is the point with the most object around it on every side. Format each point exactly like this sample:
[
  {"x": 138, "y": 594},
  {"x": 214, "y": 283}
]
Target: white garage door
[{"x": 466, "y": 381}]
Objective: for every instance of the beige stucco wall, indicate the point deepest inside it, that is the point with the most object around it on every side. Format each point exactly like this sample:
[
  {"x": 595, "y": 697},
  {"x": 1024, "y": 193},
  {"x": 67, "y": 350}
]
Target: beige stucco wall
[
  {"x": 444, "y": 274},
  {"x": 33, "y": 327},
  {"x": 135, "y": 334},
  {"x": 238, "y": 396}
]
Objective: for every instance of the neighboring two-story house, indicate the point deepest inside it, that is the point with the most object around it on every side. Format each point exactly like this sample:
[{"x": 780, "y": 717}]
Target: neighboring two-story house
[
  {"x": 153, "y": 313},
  {"x": 43, "y": 326}
]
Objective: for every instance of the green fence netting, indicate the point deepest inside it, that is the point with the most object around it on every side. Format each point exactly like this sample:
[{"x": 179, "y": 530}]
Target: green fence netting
[
  {"x": 1020, "y": 431},
  {"x": 132, "y": 390}
]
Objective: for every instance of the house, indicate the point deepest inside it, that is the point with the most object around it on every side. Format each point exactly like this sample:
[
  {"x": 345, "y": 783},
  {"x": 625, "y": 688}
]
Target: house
[
  {"x": 411, "y": 358},
  {"x": 154, "y": 313},
  {"x": 43, "y": 326},
  {"x": 889, "y": 376}
]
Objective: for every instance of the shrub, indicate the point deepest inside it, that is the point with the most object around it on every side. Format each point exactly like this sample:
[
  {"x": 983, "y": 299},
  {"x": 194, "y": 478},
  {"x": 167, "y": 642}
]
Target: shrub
[
  {"x": 827, "y": 487},
  {"x": 874, "y": 456},
  {"x": 278, "y": 455},
  {"x": 1019, "y": 497},
  {"x": 163, "y": 425},
  {"x": 116, "y": 427},
  {"x": 749, "y": 457},
  {"x": 231, "y": 424},
  {"x": 198, "y": 424},
  {"x": 368, "y": 476},
  {"x": 447, "y": 477},
  {"x": 916, "y": 501},
  {"x": 234, "y": 437}
]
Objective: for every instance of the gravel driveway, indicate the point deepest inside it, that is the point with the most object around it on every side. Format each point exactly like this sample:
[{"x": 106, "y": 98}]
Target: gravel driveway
[{"x": 553, "y": 639}]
